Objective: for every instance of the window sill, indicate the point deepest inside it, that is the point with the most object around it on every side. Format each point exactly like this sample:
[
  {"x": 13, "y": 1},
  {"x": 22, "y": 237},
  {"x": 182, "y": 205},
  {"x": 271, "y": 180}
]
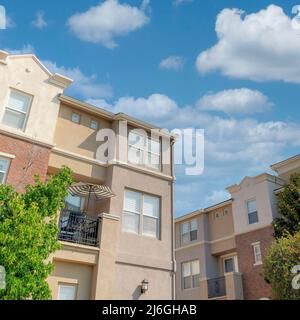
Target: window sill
[{"x": 257, "y": 264}]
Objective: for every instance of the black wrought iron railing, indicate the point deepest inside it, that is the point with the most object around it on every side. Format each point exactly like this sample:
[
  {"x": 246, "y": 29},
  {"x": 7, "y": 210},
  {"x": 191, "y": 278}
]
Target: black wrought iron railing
[
  {"x": 78, "y": 228},
  {"x": 216, "y": 287}
]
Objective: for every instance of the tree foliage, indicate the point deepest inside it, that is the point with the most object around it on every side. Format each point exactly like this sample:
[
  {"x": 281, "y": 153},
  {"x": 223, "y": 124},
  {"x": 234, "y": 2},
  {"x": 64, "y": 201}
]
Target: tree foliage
[
  {"x": 282, "y": 257},
  {"x": 289, "y": 208},
  {"x": 28, "y": 235}
]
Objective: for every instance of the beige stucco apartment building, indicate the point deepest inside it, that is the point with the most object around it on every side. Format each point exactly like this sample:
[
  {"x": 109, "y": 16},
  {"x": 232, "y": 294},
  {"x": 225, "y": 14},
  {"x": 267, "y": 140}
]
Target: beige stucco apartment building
[
  {"x": 41, "y": 130},
  {"x": 220, "y": 249}
]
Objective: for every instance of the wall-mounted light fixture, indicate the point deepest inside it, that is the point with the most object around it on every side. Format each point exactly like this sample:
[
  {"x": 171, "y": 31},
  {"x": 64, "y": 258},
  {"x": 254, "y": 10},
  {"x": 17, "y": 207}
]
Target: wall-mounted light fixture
[{"x": 144, "y": 286}]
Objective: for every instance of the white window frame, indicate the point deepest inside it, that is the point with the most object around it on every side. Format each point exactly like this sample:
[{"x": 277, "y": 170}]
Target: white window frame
[
  {"x": 75, "y": 114},
  {"x": 64, "y": 284},
  {"x": 257, "y": 261},
  {"x": 189, "y": 223},
  {"x": 190, "y": 263},
  {"x": 235, "y": 262},
  {"x": 144, "y": 150},
  {"x": 5, "y": 172},
  {"x": 248, "y": 213},
  {"x": 7, "y": 107},
  {"x": 141, "y": 214}
]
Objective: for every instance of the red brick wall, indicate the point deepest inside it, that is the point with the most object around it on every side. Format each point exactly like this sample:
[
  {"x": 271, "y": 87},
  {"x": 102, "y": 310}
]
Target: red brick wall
[
  {"x": 253, "y": 283},
  {"x": 30, "y": 159}
]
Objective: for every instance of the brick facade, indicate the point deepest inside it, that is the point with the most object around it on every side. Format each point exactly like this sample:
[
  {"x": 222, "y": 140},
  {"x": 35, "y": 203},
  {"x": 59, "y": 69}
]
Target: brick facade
[
  {"x": 253, "y": 283},
  {"x": 30, "y": 159}
]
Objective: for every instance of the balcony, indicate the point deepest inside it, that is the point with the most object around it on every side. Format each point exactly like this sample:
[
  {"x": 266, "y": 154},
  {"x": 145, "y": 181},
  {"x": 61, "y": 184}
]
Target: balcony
[
  {"x": 216, "y": 287},
  {"x": 79, "y": 228}
]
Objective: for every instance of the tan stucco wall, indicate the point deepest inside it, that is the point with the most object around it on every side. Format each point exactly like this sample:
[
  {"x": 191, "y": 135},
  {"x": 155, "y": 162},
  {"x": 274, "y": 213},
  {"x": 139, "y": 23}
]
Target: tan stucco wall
[
  {"x": 128, "y": 280},
  {"x": 131, "y": 244},
  {"x": 83, "y": 170},
  {"x": 220, "y": 225},
  {"x": 261, "y": 190},
  {"x": 72, "y": 273},
  {"x": 25, "y": 74},
  {"x": 78, "y": 138}
]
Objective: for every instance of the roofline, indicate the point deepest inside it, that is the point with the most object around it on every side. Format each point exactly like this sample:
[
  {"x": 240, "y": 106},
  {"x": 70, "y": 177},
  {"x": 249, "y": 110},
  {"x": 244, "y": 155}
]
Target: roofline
[
  {"x": 275, "y": 166},
  {"x": 267, "y": 176},
  {"x": 112, "y": 116},
  {"x": 54, "y": 78},
  {"x": 205, "y": 210}
]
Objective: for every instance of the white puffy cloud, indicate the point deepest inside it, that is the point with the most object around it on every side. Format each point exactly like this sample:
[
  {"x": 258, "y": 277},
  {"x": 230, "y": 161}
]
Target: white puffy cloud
[
  {"x": 26, "y": 49},
  {"x": 179, "y": 2},
  {"x": 2, "y": 18},
  {"x": 110, "y": 19},
  {"x": 155, "y": 107},
  {"x": 217, "y": 196},
  {"x": 235, "y": 101},
  {"x": 174, "y": 63},
  {"x": 83, "y": 85},
  {"x": 260, "y": 46},
  {"x": 39, "y": 22}
]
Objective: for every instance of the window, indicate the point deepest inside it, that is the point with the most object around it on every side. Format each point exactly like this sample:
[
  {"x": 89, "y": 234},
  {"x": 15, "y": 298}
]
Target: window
[
  {"x": 230, "y": 264},
  {"x": 257, "y": 253},
  {"x": 189, "y": 231},
  {"x": 73, "y": 203},
  {"x": 67, "y": 291},
  {"x": 141, "y": 214},
  {"x": 144, "y": 150},
  {"x": 191, "y": 274},
  {"x": 94, "y": 124},
  {"x": 75, "y": 118},
  {"x": 252, "y": 211},
  {"x": 4, "y": 163},
  {"x": 17, "y": 109}
]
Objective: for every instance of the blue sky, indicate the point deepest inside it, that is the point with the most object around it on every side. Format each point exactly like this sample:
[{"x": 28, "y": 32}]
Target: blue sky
[{"x": 241, "y": 83}]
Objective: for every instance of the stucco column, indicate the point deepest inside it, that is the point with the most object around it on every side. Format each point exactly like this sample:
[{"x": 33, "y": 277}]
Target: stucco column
[
  {"x": 234, "y": 287},
  {"x": 203, "y": 289},
  {"x": 104, "y": 272}
]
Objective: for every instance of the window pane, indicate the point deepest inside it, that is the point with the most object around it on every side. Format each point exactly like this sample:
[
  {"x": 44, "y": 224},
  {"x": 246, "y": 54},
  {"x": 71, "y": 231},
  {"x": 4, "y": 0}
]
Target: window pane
[
  {"x": 185, "y": 228},
  {"x": 154, "y": 146},
  {"x": 251, "y": 205},
  {"x": 195, "y": 267},
  {"x": 14, "y": 119},
  {"x": 151, "y": 206},
  {"x": 131, "y": 222},
  {"x": 135, "y": 155},
  {"x": 136, "y": 140},
  {"x": 229, "y": 265},
  {"x": 132, "y": 201},
  {"x": 153, "y": 161},
  {"x": 186, "y": 269},
  {"x": 193, "y": 235},
  {"x": 150, "y": 226},
  {"x": 94, "y": 125},
  {"x": 185, "y": 238},
  {"x": 196, "y": 281},
  {"x": 253, "y": 217},
  {"x": 73, "y": 203},
  {"x": 194, "y": 225},
  {"x": 67, "y": 292},
  {"x": 75, "y": 118},
  {"x": 3, "y": 165},
  {"x": 187, "y": 282},
  {"x": 19, "y": 101},
  {"x": 2, "y": 177}
]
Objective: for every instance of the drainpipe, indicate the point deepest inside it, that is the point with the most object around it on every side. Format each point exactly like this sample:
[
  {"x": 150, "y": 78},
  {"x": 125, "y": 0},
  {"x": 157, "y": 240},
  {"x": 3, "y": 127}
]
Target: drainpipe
[{"x": 172, "y": 222}]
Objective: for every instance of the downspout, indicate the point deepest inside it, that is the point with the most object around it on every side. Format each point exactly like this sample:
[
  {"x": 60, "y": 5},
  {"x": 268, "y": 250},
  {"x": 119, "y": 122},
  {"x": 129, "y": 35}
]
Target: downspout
[{"x": 172, "y": 223}]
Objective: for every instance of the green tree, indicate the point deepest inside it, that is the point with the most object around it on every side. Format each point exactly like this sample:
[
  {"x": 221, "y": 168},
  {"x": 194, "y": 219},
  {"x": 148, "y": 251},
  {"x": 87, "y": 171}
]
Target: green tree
[
  {"x": 28, "y": 235},
  {"x": 279, "y": 262},
  {"x": 289, "y": 208}
]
